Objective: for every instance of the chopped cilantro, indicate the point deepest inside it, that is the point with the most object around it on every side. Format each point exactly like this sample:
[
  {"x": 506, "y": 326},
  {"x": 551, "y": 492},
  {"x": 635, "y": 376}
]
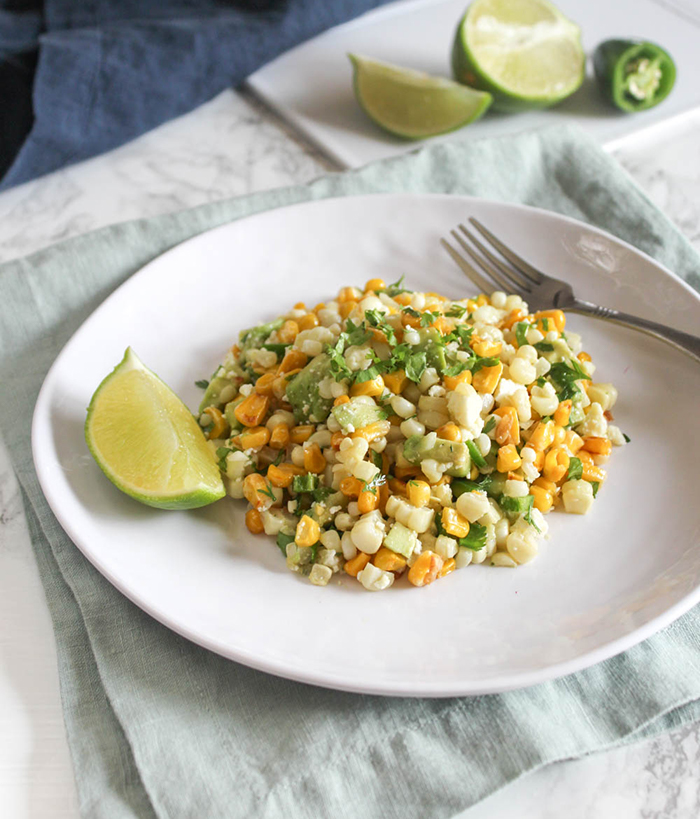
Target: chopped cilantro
[
  {"x": 545, "y": 324},
  {"x": 486, "y": 361},
  {"x": 377, "y": 319},
  {"x": 339, "y": 369},
  {"x": 322, "y": 493},
  {"x": 544, "y": 347},
  {"x": 462, "y": 335},
  {"x": 477, "y": 458},
  {"x": 490, "y": 424},
  {"x": 202, "y": 383},
  {"x": 516, "y": 506},
  {"x": 427, "y": 318},
  {"x": 376, "y": 459},
  {"x": 476, "y": 539},
  {"x": 411, "y": 312},
  {"x": 565, "y": 374},
  {"x": 462, "y": 485},
  {"x": 367, "y": 375},
  {"x": 355, "y": 334},
  {"x": 626, "y": 437},
  {"x": 527, "y": 517},
  {"x": 596, "y": 487},
  {"x": 521, "y": 329},
  {"x": 278, "y": 349},
  {"x": 416, "y": 365},
  {"x": 267, "y": 491},
  {"x": 394, "y": 289},
  {"x": 456, "y": 311},
  {"x": 222, "y": 453},
  {"x": 455, "y": 369},
  {"x": 575, "y": 470}
]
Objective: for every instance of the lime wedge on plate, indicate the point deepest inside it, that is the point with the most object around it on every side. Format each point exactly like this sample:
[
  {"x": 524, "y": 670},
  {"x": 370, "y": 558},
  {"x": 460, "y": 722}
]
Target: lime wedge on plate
[
  {"x": 147, "y": 443},
  {"x": 411, "y": 104},
  {"x": 524, "y": 52}
]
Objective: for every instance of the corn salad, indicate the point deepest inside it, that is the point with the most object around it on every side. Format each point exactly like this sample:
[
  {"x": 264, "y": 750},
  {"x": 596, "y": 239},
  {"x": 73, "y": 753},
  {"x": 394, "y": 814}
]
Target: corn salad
[{"x": 388, "y": 432}]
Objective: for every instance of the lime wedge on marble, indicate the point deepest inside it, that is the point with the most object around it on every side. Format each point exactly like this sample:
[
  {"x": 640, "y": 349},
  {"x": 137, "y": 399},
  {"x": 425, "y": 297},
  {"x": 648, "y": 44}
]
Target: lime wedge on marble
[
  {"x": 147, "y": 443},
  {"x": 524, "y": 52},
  {"x": 411, "y": 104}
]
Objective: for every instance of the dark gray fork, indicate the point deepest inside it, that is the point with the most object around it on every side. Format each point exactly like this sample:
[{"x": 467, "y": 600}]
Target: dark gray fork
[{"x": 512, "y": 274}]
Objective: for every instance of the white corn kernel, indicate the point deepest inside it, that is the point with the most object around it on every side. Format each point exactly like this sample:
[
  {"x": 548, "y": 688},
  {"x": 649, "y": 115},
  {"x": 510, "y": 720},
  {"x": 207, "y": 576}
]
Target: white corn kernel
[
  {"x": 515, "y": 489},
  {"x": 463, "y": 557},
  {"x": 577, "y": 497},
  {"x": 331, "y": 540},
  {"x": 446, "y": 547},
  {"x": 504, "y": 560},
  {"x": 320, "y": 575},
  {"x": 521, "y": 547},
  {"x": 522, "y": 371},
  {"x": 472, "y": 505},
  {"x": 412, "y": 426},
  {"x": 343, "y": 521},
  {"x": 374, "y": 579},
  {"x": 368, "y": 532}
]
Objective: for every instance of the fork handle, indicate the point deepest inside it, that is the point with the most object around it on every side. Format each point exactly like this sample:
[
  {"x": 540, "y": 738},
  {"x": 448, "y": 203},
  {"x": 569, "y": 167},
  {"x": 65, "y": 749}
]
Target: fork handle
[{"x": 685, "y": 342}]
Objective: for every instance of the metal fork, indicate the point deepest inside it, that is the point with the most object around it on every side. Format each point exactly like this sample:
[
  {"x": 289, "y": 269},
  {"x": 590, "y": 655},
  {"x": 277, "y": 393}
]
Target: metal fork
[{"x": 513, "y": 274}]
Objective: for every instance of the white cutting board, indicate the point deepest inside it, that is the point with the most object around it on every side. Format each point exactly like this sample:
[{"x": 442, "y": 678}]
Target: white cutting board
[{"x": 310, "y": 86}]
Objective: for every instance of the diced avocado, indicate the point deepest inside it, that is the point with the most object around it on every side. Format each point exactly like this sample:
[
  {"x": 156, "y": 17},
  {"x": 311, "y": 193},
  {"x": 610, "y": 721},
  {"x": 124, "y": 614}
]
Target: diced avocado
[
  {"x": 354, "y": 414},
  {"x": 419, "y": 447},
  {"x": 516, "y": 506},
  {"x": 577, "y": 414},
  {"x": 401, "y": 539},
  {"x": 255, "y": 337},
  {"x": 431, "y": 342},
  {"x": 216, "y": 385},
  {"x": 303, "y": 391},
  {"x": 229, "y": 415},
  {"x": 305, "y": 483}
]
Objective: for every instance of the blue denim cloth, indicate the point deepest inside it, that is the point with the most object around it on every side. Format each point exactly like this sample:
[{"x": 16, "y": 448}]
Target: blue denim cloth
[{"x": 101, "y": 72}]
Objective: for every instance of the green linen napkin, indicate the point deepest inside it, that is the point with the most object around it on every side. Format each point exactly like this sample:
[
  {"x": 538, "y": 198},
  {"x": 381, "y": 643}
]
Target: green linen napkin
[{"x": 159, "y": 727}]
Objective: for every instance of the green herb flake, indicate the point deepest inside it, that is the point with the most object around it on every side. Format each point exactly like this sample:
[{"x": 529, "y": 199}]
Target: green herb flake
[
  {"x": 626, "y": 437},
  {"x": 544, "y": 347},
  {"x": 596, "y": 487},
  {"x": 521, "y": 329},
  {"x": 394, "y": 289},
  {"x": 477, "y": 458},
  {"x": 490, "y": 424},
  {"x": 456, "y": 311},
  {"x": 268, "y": 492},
  {"x": 283, "y": 541},
  {"x": 575, "y": 470},
  {"x": 416, "y": 365},
  {"x": 476, "y": 539},
  {"x": 278, "y": 349},
  {"x": 202, "y": 383}
]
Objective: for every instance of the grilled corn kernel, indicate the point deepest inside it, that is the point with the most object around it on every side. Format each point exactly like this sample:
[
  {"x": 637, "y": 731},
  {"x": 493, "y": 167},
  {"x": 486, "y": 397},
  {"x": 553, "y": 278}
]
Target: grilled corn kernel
[
  {"x": 348, "y": 294},
  {"x": 252, "y": 410},
  {"x": 371, "y": 432},
  {"x": 219, "y": 425},
  {"x": 508, "y": 428},
  {"x": 388, "y": 561},
  {"x": 308, "y": 532},
  {"x": 451, "y": 381},
  {"x": 283, "y": 475},
  {"x": 395, "y": 381},
  {"x": 426, "y": 568},
  {"x": 288, "y": 332},
  {"x": 256, "y": 491},
  {"x": 484, "y": 347},
  {"x": 562, "y": 413},
  {"x": 264, "y": 384},
  {"x": 572, "y": 441},
  {"x": 351, "y": 487},
  {"x": 486, "y": 380},
  {"x": 591, "y": 473},
  {"x": 367, "y": 501},
  {"x": 583, "y": 356},
  {"x": 554, "y": 320},
  {"x": 556, "y": 464},
  {"x": 443, "y": 325},
  {"x": 597, "y": 446},
  {"x": 357, "y": 564},
  {"x": 308, "y": 321},
  {"x": 254, "y": 521},
  {"x": 542, "y": 436},
  {"x": 374, "y": 386},
  {"x": 313, "y": 459},
  {"x": 418, "y": 493},
  {"x": 301, "y": 433},
  {"x": 292, "y": 360},
  {"x": 280, "y": 437},
  {"x": 255, "y": 437},
  {"x": 447, "y": 567},
  {"x": 346, "y": 307},
  {"x": 508, "y": 458},
  {"x": 543, "y": 500},
  {"x": 454, "y": 523}
]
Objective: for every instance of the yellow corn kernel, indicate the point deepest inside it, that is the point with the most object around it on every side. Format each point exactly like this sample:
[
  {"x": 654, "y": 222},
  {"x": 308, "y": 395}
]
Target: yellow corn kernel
[
  {"x": 451, "y": 381},
  {"x": 308, "y": 321},
  {"x": 556, "y": 464},
  {"x": 375, "y": 284},
  {"x": 418, "y": 493},
  {"x": 314, "y": 460},
  {"x": 484, "y": 347},
  {"x": 555, "y": 317},
  {"x": 320, "y": 306},
  {"x": 404, "y": 299},
  {"x": 346, "y": 307},
  {"x": 486, "y": 380},
  {"x": 584, "y": 457},
  {"x": 562, "y": 413},
  {"x": 388, "y": 561},
  {"x": 367, "y": 501},
  {"x": 219, "y": 425},
  {"x": 443, "y": 325},
  {"x": 347, "y": 294},
  {"x": 449, "y": 432},
  {"x": 374, "y": 386},
  {"x": 301, "y": 433},
  {"x": 337, "y": 439},
  {"x": 426, "y": 568},
  {"x": 264, "y": 384},
  {"x": 292, "y": 359},
  {"x": 371, "y": 432},
  {"x": 447, "y": 567},
  {"x": 354, "y": 566},
  {"x": 256, "y": 490},
  {"x": 559, "y": 435},
  {"x": 283, "y": 475},
  {"x": 395, "y": 381},
  {"x": 471, "y": 305},
  {"x": 508, "y": 428},
  {"x": 583, "y": 356},
  {"x": 542, "y": 436},
  {"x": 252, "y": 410},
  {"x": 513, "y": 318},
  {"x": 482, "y": 299},
  {"x": 591, "y": 472},
  {"x": 454, "y": 523},
  {"x": 300, "y": 306},
  {"x": 573, "y": 441},
  {"x": 398, "y": 487},
  {"x": 288, "y": 332},
  {"x": 308, "y": 531},
  {"x": 255, "y": 437},
  {"x": 254, "y": 521},
  {"x": 351, "y": 487},
  {"x": 548, "y": 486},
  {"x": 543, "y": 500},
  {"x": 407, "y": 320},
  {"x": 341, "y": 399},
  {"x": 598, "y": 446},
  {"x": 508, "y": 458},
  {"x": 279, "y": 439}
]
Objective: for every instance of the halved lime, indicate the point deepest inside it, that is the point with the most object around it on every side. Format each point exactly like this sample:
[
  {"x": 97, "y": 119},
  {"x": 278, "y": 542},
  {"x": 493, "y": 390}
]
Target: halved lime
[
  {"x": 411, "y": 104},
  {"x": 524, "y": 52},
  {"x": 147, "y": 443}
]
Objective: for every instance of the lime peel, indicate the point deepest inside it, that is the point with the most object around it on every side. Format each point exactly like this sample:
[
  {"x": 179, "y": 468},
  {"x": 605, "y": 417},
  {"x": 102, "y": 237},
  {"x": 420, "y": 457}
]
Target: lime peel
[
  {"x": 147, "y": 443},
  {"x": 413, "y": 105}
]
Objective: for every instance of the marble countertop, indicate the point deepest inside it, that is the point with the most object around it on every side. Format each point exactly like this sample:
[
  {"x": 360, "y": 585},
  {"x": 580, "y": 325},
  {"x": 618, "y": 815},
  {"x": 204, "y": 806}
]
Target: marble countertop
[{"x": 233, "y": 146}]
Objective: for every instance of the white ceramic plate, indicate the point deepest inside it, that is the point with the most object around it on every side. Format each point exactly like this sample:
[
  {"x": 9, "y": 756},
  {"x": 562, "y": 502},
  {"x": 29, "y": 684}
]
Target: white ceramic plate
[{"x": 601, "y": 584}]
